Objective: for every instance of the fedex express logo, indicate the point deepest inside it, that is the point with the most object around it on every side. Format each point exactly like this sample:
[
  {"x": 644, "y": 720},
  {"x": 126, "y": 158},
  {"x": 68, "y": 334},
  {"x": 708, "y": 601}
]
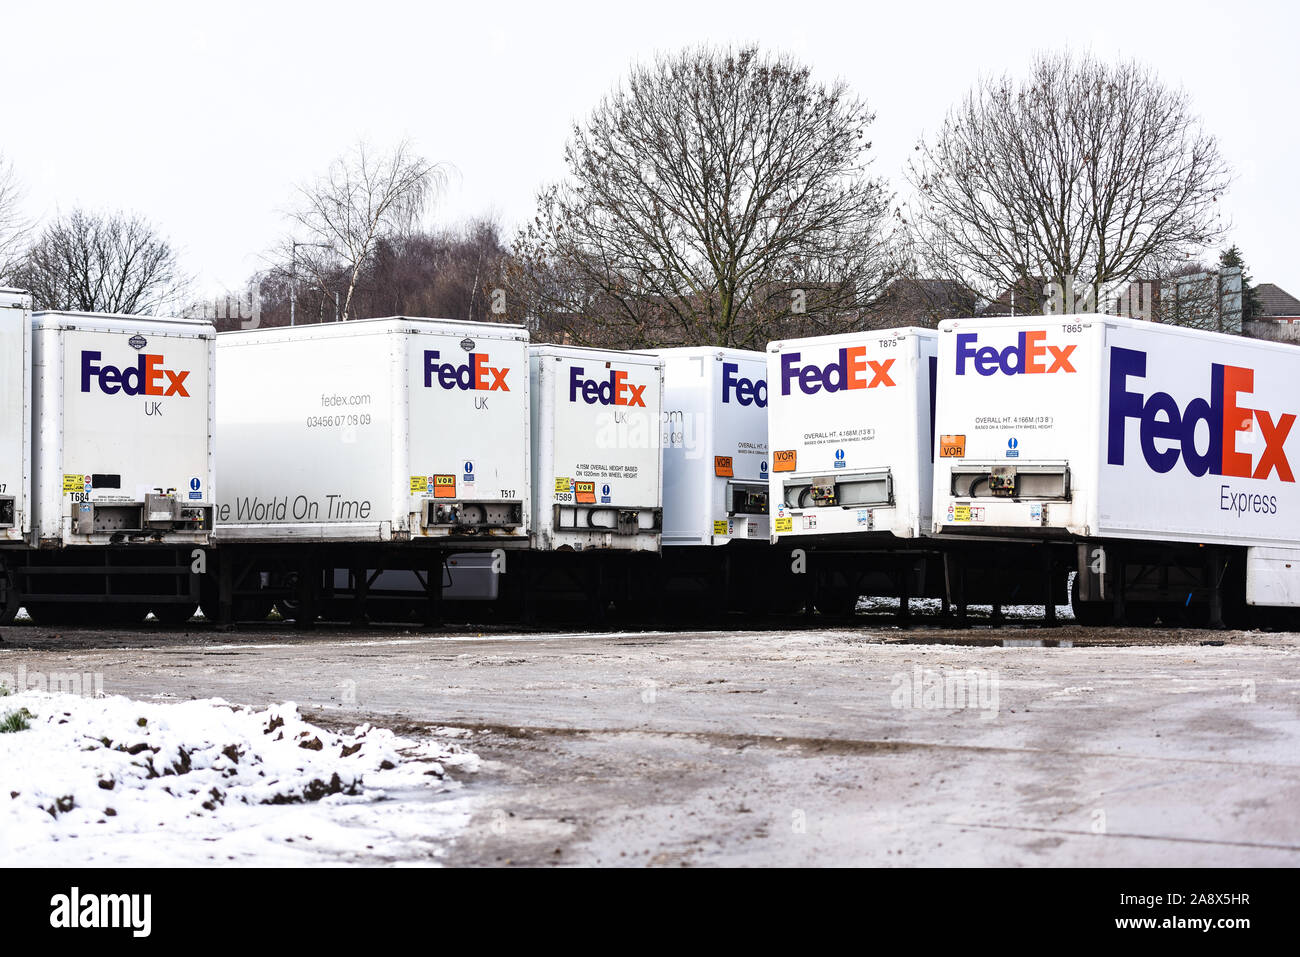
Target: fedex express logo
[
  {"x": 746, "y": 391},
  {"x": 1160, "y": 418},
  {"x": 848, "y": 372},
  {"x": 473, "y": 376},
  {"x": 147, "y": 377},
  {"x": 615, "y": 390},
  {"x": 1030, "y": 355}
]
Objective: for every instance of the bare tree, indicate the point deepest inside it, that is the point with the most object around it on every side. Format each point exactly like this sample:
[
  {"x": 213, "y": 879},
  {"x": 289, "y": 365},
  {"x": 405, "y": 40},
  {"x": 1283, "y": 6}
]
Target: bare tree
[
  {"x": 361, "y": 199},
  {"x": 108, "y": 262},
  {"x": 451, "y": 273},
  {"x": 14, "y": 226},
  {"x": 716, "y": 197},
  {"x": 1084, "y": 172}
]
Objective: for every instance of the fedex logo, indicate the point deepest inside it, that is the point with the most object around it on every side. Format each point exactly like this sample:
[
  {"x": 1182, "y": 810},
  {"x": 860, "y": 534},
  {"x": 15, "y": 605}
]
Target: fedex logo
[
  {"x": 746, "y": 391},
  {"x": 471, "y": 377},
  {"x": 1030, "y": 355},
  {"x": 146, "y": 377},
  {"x": 849, "y": 372},
  {"x": 1160, "y": 418},
  {"x": 615, "y": 390}
]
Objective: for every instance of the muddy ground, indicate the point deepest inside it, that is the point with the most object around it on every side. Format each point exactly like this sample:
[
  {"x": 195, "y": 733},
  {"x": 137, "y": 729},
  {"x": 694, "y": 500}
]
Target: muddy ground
[{"x": 867, "y": 744}]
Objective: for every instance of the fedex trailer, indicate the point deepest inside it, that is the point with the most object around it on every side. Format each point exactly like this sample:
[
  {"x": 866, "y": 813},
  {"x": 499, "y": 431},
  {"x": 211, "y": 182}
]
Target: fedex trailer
[
  {"x": 15, "y": 419},
  {"x": 714, "y": 436},
  {"x": 396, "y": 434},
  {"x": 597, "y": 462},
  {"x": 121, "y": 464},
  {"x": 597, "y": 482},
  {"x": 1160, "y": 456},
  {"x": 850, "y": 445},
  {"x": 850, "y": 434}
]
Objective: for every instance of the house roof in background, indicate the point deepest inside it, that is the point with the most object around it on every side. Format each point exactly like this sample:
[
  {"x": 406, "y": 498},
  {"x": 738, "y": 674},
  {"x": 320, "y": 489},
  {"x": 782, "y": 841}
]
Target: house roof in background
[{"x": 1276, "y": 301}]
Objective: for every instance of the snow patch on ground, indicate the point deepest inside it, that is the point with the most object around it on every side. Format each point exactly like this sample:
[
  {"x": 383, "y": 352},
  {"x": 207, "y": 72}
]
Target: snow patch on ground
[{"x": 110, "y": 781}]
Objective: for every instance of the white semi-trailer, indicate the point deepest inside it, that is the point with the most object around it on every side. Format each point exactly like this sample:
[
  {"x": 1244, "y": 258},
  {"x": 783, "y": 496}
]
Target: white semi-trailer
[
  {"x": 121, "y": 464},
  {"x": 15, "y": 419},
  {"x": 714, "y": 436},
  {"x": 597, "y": 463},
  {"x": 378, "y": 430},
  {"x": 408, "y": 435},
  {"x": 850, "y": 445},
  {"x": 1164, "y": 454},
  {"x": 850, "y": 432}
]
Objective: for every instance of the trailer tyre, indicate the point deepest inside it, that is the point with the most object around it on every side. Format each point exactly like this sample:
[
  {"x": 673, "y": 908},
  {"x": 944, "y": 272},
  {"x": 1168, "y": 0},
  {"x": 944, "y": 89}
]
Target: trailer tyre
[
  {"x": 1090, "y": 614},
  {"x": 10, "y": 600},
  {"x": 174, "y": 615},
  {"x": 837, "y": 602}
]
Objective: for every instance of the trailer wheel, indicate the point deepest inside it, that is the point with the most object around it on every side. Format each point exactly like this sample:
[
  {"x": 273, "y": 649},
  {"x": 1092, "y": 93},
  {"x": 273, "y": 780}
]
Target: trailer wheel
[
  {"x": 1090, "y": 614},
  {"x": 837, "y": 602},
  {"x": 68, "y": 614},
  {"x": 174, "y": 615},
  {"x": 10, "y": 600}
]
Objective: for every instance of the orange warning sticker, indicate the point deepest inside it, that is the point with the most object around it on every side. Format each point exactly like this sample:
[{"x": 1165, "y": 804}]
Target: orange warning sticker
[
  {"x": 783, "y": 461},
  {"x": 722, "y": 466},
  {"x": 584, "y": 493},
  {"x": 444, "y": 486},
  {"x": 952, "y": 446}
]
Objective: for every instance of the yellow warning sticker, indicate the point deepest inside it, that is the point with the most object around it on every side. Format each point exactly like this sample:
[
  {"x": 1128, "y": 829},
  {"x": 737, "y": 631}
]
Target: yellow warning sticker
[
  {"x": 563, "y": 484},
  {"x": 961, "y": 513},
  {"x": 419, "y": 483},
  {"x": 785, "y": 524},
  {"x": 75, "y": 483},
  {"x": 719, "y": 528}
]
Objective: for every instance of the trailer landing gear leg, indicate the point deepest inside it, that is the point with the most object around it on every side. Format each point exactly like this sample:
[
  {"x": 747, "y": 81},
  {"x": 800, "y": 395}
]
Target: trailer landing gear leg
[
  {"x": 225, "y": 592},
  {"x": 433, "y": 593},
  {"x": 360, "y": 593},
  {"x": 309, "y": 575},
  {"x": 905, "y": 598},
  {"x": 1049, "y": 603},
  {"x": 1119, "y": 609},
  {"x": 1215, "y": 574},
  {"x": 954, "y": 571}
]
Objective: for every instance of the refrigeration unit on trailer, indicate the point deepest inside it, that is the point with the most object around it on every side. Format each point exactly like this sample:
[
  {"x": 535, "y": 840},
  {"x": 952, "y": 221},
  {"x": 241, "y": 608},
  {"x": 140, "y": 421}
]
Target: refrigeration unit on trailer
[
  {"x": 1161, "y": 455},
  {"x": 344, "y": 445},
  {"x": 122, "y": 465},
  {"x": 15, "y": 419},
  {"x": 597, "y": 461}
]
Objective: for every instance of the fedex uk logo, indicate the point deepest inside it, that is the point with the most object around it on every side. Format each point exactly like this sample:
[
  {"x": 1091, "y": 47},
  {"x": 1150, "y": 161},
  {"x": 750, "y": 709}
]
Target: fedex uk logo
[
  {"x": 746, "y": 391},
  {"x": 615, "y": 390},
  {"x": 1030, "y": 355},
  {"x": 476, "y": 375},
  {"x": 147, "y": 377},
  {"x": 1161, "y": 419},
  {"x": 848, "y": 372}
]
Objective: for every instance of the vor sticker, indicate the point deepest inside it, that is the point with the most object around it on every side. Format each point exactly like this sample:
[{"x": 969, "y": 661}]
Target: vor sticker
[{"x": 952, "y": 446}]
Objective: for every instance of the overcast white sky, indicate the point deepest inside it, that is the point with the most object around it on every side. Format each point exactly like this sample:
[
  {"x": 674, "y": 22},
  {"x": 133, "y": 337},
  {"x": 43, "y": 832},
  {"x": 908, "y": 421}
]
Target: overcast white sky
[{"x": 203, "y": 117}]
